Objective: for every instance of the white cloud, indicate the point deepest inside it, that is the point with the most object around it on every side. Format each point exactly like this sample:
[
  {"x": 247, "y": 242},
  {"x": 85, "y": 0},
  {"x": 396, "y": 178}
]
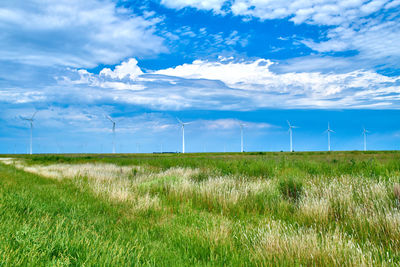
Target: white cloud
[
  {"x": 369, "y": 27},
  {"x": 199, "y": 4},
  {"x": 257, "y": 76},
  {"x": 322, "y": 12},
  {"x": 77, "y": 118},
  {"x": 18, "y": 96},
  {"x": 244, "y": 85},
  {"x": 328, "y": 46},
  {"x": 221, "y": 85},
  {"x": 126, "y": 69},
  {"x": 123, "y": 77},
  {"x": 374, "y": 40},
  {"x": 227, "y": 124},
  {"x": 73, "y": 33}
]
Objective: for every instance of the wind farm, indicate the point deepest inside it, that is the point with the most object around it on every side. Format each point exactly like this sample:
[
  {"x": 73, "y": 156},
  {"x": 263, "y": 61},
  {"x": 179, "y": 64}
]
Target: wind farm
[
  {"x": 199, "y": 133},
  {"x": 196, "y": 127},
  {"x": 194, "y": 130}
]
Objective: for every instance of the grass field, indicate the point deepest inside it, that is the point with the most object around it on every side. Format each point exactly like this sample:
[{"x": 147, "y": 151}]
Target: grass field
[{"x": 230, "y": 209}]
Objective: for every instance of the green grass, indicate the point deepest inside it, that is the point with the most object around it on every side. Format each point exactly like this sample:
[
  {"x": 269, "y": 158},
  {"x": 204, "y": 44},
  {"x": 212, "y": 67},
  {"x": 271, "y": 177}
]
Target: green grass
[
  {"x": 45, "y": 222},
  {"x": 259, "y": 164},
  {"x": 220, "y": 209}
]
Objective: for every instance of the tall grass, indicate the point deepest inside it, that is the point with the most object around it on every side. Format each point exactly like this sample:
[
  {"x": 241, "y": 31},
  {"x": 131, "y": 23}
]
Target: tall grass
[{"x": 231, "y": 209}]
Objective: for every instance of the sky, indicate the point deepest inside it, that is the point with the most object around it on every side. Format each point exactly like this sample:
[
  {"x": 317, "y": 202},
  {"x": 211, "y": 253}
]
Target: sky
[{"x": 214, "y": 63}]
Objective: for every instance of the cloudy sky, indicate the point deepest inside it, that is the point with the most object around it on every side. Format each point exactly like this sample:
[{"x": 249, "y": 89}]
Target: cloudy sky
[{"x": 216, "y": 63}]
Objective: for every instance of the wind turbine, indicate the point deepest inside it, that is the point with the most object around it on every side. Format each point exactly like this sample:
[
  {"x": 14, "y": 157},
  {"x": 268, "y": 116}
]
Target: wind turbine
[
  {"x": 183, "y": 133},
  {"x": 31, "y": 124},
  {"x": 329, "y": 131},
  {"x": 291, "y": 127},
  {"x": 365, "y": 131},
  {"x": 241, "y": 136},
  {"x": 113, "y": 130}
]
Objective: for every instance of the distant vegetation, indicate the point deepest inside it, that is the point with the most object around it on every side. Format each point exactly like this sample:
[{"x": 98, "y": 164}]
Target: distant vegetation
[{"x": 233, "y": 209}]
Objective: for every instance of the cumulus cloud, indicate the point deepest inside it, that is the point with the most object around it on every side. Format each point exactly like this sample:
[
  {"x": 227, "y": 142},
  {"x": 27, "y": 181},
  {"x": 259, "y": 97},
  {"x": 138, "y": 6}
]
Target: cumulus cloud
[
  {"x": 126, "y": 69},
  {"x": 238, "y": 85},
  {"x": 74, "y": 33},
  {"x": 226, "y": 84},
  {"x": 257, "y": 76}
]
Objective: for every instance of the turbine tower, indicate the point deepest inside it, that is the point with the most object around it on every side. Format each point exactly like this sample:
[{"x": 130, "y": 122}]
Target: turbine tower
[
  {"x": 329, "y": 131},
  {"x": 291, "y": 127},
  {"x": 31, "y": 124},
  {"x": 183, "y": 133},
  {"x": 113, "y": 131},
  {"x": 241, "y": 136},
  {"x": 365, "y": 131}
]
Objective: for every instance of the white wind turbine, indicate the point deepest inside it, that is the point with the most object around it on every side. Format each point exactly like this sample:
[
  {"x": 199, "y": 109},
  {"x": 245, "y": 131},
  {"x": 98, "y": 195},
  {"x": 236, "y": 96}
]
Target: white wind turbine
[
  {"x": 329, "y": 131},
  {"x": 183, "y": 133},
  {"x": 31, "y": 124},
  {"x": 241, "y": 136},
  {"x": 365, "y": 131},
  {"x": 291, "y": 127},
  {"x": 113, "y": 131}
]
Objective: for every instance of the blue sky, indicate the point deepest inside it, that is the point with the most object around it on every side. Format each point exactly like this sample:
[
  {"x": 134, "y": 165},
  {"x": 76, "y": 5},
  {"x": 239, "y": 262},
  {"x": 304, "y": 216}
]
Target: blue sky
[{"x": 214, "y": 62}]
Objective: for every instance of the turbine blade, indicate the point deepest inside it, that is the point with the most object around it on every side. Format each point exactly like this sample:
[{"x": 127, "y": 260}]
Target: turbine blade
[
  {"x": 179, "y": 120},
  {"x": 108, "y": 117},
  {"x": 24, "y": 118},
  {"x": 34, "y": 115},
  {"x": 288, "y": 123}
]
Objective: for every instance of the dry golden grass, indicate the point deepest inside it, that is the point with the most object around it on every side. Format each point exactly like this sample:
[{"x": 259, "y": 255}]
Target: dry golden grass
[
  {"x": 274, "y": 239},
  {"x": 8, "y": 161},
  {"x": 396, "y": 191}
]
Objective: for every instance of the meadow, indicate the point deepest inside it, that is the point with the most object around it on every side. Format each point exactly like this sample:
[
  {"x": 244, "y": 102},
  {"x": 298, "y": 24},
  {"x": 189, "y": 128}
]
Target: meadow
[{"x": 205, "y": 209}]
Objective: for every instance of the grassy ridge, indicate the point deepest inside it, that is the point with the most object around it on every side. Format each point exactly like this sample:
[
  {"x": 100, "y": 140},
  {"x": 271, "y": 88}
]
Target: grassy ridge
[{"x": 201, "y": 209}]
